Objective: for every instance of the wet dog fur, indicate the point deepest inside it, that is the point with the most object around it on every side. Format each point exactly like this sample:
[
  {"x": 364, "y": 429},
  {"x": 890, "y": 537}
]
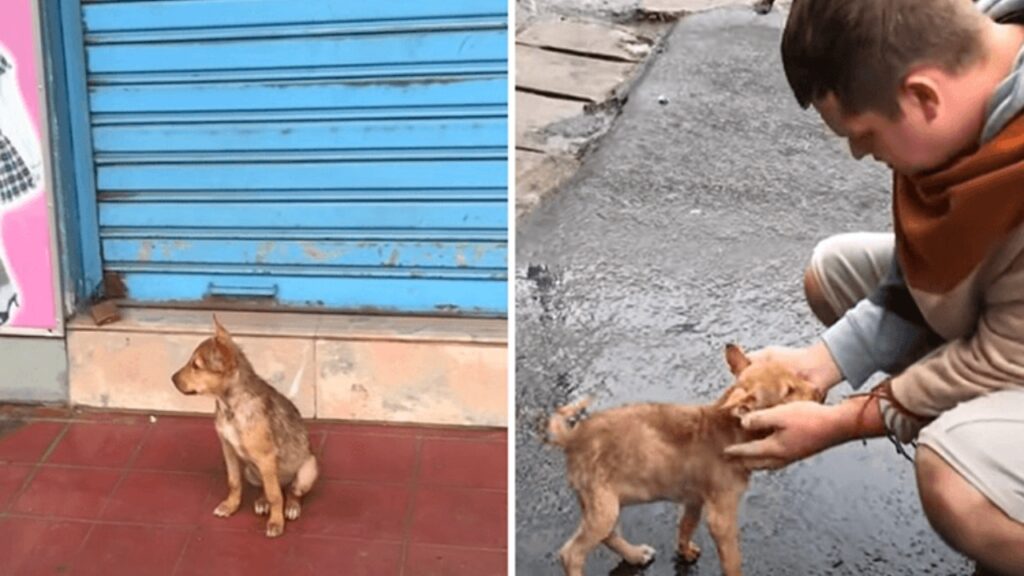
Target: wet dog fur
[
  {"x": 261, "y": 432},
  {"x": 654, "y": 452}
]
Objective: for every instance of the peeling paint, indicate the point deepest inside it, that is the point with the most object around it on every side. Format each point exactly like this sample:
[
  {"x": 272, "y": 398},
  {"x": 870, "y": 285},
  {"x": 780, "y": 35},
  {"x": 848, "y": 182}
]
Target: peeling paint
[
  {"x": 264, "y": 250},
  {"x": 313, "y": 251},
  {"x": 145, "y": 250}
]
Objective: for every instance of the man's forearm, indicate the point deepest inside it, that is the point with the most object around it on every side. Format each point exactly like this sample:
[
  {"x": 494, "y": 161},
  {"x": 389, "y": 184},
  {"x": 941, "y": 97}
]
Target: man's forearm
[{"x": 858, "y": 417}]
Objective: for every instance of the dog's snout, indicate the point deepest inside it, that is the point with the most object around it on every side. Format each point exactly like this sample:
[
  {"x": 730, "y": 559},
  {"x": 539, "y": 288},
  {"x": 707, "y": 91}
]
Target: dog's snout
[{"x": 179, "y": 383}]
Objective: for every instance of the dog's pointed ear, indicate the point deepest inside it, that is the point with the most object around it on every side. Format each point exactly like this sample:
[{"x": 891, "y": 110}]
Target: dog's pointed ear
[
  {"x": 221, "y": 358},
  {"x": 220, "y": 331},
  {"x": 736, "y": 359}
]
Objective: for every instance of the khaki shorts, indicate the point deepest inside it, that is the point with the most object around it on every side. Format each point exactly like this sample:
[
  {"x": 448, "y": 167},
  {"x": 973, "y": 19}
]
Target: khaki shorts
[{"x": 982, "y": 438}]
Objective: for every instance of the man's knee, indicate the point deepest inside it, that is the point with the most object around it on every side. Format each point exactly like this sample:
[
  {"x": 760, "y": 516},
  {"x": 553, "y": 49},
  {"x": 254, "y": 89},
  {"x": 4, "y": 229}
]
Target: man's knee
[
  {"x": 936, "y": 499},
  {"x": 951, "y": 504},
  {"x": 816, "y": 298}
]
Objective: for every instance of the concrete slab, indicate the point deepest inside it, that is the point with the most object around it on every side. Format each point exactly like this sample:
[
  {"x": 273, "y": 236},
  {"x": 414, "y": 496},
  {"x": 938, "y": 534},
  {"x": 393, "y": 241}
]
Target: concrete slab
[
  {"x": 34, "y": 369},
  {"x": 304, "y": 325},
  {"x": 412, "y": 382},
  {"x": 457, "y": 367},
  {"x": 535, "y": 112},
  {"x": 538, "y": 174},
  {"x": 588, "y": 79},
  {"x": 588, "y": 38},
  {"x": 677, "y": 8},
  {"x": 132, "y": 370}
]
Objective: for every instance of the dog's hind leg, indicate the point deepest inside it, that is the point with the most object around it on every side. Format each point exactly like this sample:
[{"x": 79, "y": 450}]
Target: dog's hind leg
[
  {"x": 686, "y": 549},
  {"x": 637, "y": 555},
  {"x": 600, "y": 512},
  {"x": 304, "y": 480},
  {"x": 723, "y": 523}
]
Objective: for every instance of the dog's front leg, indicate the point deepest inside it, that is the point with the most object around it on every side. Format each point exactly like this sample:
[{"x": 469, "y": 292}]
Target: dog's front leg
[
  {"x": 723, "y": 523},
  {"x": 230, "y": 504},
  {"x": 267, "y": 465}
]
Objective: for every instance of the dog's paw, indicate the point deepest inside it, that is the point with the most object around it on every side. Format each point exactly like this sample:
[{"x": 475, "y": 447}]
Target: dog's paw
[
  {"x": 274, "y": 529},
  {"x": 689, "y": 553},
  {"x": 262, "y": 506},
  {"x": 641, "y": 555},
  {"x": 226, "y": 508},
  {"x": 292, "y": 509},
  {"x": 648, "y": 553}
]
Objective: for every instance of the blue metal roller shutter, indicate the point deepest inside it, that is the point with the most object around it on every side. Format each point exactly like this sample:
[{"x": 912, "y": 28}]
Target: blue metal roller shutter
[{"x": 338, "y": 154}]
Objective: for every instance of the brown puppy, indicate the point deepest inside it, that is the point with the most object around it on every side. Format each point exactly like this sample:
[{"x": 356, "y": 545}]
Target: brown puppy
[
  {"x": 650, "y": 452},
  {"x": 259, "y": 429}
]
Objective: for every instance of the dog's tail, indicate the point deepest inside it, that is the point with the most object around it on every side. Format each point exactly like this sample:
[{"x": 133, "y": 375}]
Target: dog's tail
[{"x": 559, "y": 429}]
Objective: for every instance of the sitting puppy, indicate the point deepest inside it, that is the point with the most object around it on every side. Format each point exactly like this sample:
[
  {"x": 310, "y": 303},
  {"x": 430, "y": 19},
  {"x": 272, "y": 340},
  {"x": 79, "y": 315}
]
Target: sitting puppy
[
  {"x": 259, "y": 429},
  {"x": 649, "y": 452}
]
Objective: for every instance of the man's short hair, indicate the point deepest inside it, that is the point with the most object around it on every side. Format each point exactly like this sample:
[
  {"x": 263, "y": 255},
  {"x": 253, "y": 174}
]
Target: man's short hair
[{"x": 862, "y": 50}]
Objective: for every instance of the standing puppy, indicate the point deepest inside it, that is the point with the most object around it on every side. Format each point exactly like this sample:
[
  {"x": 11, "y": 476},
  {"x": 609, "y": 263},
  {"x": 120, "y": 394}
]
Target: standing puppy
[
  {"x": 259, "y": 429},
  {"x": 649, "y": 452}
]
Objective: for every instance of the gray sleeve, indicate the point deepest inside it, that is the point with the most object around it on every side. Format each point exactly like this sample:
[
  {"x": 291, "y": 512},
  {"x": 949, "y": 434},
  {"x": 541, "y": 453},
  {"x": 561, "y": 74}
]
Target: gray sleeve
[
  {"x": 884, "y": 332},
  {"x": 1000, "y": 10}
]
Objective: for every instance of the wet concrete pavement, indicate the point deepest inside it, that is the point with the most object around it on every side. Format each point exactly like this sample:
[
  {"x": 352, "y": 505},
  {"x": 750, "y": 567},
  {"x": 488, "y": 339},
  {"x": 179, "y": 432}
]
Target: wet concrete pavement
[{"x": 689, "y": 228}]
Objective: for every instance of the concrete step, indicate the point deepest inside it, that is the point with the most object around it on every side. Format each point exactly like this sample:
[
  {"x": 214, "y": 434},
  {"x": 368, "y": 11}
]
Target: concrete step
[{"x": 364, "y": 368}]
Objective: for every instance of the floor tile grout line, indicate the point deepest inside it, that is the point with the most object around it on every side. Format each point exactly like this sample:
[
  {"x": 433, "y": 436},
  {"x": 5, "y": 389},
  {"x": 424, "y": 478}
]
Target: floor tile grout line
[
  {"x": 184, "y": 549},
  {"x": 130, "y": 463},
  {"x": 207, "y": 473},
  {"x": 410, "y": 483},
  {"x": 99, "y": 515},
  {"x": 426, "y": 435},
  {"x": 198, "y": 419},
  {"x": 410, "y": 513},
  {"x": 35, "y": 468},
  {"x": 193, "y": 528},
  {"x": 125, "y": 469}
]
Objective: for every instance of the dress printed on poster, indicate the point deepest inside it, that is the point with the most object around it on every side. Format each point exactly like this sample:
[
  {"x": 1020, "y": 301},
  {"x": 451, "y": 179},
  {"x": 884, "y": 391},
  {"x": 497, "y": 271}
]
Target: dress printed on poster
[{"x": 21, "y": 164}]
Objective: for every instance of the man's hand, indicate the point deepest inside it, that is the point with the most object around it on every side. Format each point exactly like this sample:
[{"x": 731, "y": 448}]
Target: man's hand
[
  {"x": 813, "y": 363},
  {"x": 802, "y": 429}
]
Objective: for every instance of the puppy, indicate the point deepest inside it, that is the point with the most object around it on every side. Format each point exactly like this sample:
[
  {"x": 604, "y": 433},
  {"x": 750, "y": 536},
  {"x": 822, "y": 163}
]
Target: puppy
[
  {"x": 261, "y": 431},
  {"x": 649, "y": 452}
]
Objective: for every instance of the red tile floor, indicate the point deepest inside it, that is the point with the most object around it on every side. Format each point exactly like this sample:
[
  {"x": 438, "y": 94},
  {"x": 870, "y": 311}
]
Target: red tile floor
[{"x": 111, "y": 493}]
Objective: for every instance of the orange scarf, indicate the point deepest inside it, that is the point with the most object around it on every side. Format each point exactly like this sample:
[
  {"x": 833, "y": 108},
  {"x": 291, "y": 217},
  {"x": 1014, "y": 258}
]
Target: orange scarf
[{"x": 949, "y": 221}]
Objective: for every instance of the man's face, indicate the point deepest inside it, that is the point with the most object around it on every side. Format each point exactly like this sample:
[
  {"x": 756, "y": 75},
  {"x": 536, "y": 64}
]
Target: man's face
[{"x": 908, "y": 145}]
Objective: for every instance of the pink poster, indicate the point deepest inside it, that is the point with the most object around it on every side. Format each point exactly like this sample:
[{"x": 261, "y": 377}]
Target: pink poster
[{"x": 26, "y": 264}]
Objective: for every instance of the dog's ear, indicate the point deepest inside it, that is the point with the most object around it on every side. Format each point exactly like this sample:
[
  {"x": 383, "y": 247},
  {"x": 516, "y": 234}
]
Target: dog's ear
[
  {"x": 220, "y": 331},
  {"x": 219, "y": 357},
  {"x": 736, "y": 359},
  {"x": 737, "y": 401}
]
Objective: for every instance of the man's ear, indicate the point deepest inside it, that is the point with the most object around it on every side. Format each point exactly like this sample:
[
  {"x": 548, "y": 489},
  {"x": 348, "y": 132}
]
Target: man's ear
[
  {"x": 921, "y": 91},
  {"x": 736, "y": 359}
]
